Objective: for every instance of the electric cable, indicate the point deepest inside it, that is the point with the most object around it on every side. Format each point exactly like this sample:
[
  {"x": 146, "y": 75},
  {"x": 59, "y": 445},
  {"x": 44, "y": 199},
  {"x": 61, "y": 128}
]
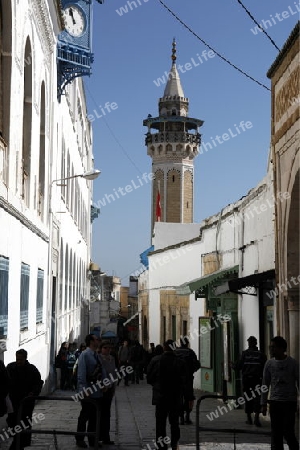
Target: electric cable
[
  {"x": 258, "y": 24},
  {"x": 211, "y": 48},
  {"x": 114, "y": 136}
]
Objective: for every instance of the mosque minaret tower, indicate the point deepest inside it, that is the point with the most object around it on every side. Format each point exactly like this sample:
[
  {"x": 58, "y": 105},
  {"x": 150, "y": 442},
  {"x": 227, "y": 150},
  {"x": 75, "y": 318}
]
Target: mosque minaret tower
[{"x": 173, "y": 142}]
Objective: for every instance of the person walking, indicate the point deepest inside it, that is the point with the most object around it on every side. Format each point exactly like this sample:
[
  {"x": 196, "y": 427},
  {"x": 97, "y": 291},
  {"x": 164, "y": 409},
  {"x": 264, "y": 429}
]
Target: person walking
[
  {"x": 149, "y": 356},
  {"x": 90, "y": 375},
  {"x": 192, "y": 365},
  {"x": 24, "y": 380},
  {"x": 109, "y": 364},
  {"x": 281, "y": 374},
  {"x": 61, "y": 365},
  {"x": 251, "y": 364},
  {"x": 136, "y": 361},
  {"x": 124, "y": 358},
  {"x": 75, "y": 367},
  {"x": 168, "y": 376},
  {"x": 71, "y": 360}
]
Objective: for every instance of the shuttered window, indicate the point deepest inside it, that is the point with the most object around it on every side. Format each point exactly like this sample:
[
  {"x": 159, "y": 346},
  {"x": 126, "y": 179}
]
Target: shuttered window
[{"x": 24, "y": 296}]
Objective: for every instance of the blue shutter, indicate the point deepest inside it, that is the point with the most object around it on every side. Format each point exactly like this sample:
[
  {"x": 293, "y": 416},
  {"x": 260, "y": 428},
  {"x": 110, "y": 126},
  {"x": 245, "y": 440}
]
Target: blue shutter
[
  {"x": 24, "y": 296},
  {"x": 4, "y": 272}
]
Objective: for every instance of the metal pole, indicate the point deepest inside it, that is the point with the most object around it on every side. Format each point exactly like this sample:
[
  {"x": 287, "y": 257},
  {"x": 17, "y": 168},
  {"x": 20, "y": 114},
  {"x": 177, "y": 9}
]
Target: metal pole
[{"x": 98, "y": 407}]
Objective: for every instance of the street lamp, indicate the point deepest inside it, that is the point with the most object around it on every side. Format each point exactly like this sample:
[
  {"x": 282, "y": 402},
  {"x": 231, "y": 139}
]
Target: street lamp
[{"x": 89, "y": 175}]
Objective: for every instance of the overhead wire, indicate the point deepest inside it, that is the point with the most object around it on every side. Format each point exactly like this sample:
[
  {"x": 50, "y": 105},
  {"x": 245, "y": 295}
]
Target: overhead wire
[
  {"x": 114, "y": 136},
  {"x": 211, "y": 48},
  {"x": 258, "y": 24}
]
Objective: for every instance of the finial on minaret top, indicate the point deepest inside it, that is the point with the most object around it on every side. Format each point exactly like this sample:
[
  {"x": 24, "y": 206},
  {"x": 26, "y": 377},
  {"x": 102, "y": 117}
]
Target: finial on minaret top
[{"x": 174, "y": 52}]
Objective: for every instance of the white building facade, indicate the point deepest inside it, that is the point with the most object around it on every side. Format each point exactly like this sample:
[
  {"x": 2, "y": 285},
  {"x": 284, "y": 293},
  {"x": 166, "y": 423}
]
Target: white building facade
[{"x": 45, "y": 224}]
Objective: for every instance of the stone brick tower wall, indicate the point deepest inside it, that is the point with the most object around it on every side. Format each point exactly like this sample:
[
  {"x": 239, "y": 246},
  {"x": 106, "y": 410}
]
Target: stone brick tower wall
[{"x": 188, "y": 202}]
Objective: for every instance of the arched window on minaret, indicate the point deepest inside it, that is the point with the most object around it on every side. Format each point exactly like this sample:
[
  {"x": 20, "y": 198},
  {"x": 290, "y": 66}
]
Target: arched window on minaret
[{"x": 169, "y": 148}]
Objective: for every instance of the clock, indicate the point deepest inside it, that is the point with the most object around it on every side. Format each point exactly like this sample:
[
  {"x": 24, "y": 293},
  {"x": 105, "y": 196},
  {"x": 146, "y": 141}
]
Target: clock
[
  {"x": 75, "y": 21},
  {"x": 74, "y": 52}
]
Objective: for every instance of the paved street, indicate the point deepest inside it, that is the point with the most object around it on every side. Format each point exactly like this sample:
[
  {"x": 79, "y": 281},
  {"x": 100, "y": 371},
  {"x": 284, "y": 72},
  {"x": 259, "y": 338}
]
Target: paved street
[{"x": 133, "y": 426}]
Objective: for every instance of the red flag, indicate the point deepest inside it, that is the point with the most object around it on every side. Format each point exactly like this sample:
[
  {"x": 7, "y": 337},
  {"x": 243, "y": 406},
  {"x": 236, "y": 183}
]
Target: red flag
[{"x": 158, "y": 207}]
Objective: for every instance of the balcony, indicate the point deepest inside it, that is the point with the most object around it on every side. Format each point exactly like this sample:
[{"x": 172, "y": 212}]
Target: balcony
[{"x": 173, "y": 136}]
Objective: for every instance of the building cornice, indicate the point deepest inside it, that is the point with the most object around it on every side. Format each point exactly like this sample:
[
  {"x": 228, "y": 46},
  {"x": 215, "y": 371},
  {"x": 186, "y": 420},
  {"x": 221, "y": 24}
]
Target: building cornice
[
  {"x": 44, "y": 26},
  {"x": 294, "y": 37},
  {"x": 4, "y": 204}
]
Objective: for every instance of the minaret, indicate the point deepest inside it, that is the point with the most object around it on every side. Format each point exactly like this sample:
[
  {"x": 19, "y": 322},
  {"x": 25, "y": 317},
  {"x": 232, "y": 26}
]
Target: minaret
[{"x": 173, "y": 142}]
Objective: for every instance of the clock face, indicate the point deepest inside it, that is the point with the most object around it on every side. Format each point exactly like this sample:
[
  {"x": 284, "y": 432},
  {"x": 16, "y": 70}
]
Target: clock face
[{"x": 74, "y": 20}]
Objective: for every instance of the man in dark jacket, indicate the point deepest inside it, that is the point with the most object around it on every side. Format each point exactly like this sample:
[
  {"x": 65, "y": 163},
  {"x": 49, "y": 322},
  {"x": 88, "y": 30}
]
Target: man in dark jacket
[
  {"x": 168, "y": 376},
  {"x": 24, "y": 381},
  {"x": 192, "y": 365},
  {"x": 252, "y": 365}
]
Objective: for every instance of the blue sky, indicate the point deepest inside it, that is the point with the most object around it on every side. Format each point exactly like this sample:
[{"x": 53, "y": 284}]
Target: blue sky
[{"x": 134, "y": 49}]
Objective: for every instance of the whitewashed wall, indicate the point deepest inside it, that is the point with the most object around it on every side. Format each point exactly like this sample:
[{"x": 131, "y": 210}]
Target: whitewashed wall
[
  {"x": 248, "y": 223},
  {"x": 25, "y": 236}
]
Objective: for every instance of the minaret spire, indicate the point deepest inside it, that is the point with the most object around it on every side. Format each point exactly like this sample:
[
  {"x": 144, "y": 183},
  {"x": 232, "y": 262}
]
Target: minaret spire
[
  {"x": 174, "y": 57},
  {"x": 173, "y": 86}
]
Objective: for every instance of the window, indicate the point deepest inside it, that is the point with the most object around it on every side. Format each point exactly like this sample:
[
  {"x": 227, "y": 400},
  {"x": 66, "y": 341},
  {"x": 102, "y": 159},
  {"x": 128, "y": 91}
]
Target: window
[
  {"x": 27, "y": 124},
  {"x": 4, "y": 270},
  {"x": 174, "y": 328},
  {"x": 3, "y": 162},
  {"x": 24, "y": 296},
  {"x": 39, "y": 296},
  {"x": 164, "y": 329},
  {"x": 41, "y": 185},
  {"x": 184, "y": 327}
]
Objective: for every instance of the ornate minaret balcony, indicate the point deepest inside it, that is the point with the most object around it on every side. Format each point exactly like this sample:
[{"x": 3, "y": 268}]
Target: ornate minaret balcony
[
  {"x": 174, "y": 137},
  {"x": 177, "y": 135}
]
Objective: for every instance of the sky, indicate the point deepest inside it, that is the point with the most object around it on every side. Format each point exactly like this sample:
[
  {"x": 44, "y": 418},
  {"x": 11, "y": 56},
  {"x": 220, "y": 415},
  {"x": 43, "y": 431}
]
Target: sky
[{"x": 132, "y": 50}]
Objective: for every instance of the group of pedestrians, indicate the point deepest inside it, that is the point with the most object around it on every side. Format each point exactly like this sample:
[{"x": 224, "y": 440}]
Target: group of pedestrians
[
  {"x": 276, "y": 378},
  {"x": 99, "y": 369},
  {"x": 133, "y": 355},
  {"x": 169, "y": 369},
  {"x": 274, "y": 381},
  {"x": 65, "y": 365},
  {"x": 96, "y": 383},
  {"x": 19, "y": 380}
]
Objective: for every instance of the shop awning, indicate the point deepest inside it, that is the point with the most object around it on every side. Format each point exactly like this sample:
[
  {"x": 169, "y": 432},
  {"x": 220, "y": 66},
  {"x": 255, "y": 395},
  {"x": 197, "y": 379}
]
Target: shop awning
[
  {"x": 199, "y": 283},
  {"x": 255, "y": 281}
]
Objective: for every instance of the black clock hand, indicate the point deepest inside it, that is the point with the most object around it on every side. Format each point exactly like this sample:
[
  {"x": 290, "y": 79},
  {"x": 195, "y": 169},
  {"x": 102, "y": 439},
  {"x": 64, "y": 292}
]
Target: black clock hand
[{"x": 71, "y": 14}]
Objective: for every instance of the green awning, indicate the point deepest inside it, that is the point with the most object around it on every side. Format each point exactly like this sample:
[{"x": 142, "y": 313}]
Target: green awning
[{"x": 198, "y": 283}]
